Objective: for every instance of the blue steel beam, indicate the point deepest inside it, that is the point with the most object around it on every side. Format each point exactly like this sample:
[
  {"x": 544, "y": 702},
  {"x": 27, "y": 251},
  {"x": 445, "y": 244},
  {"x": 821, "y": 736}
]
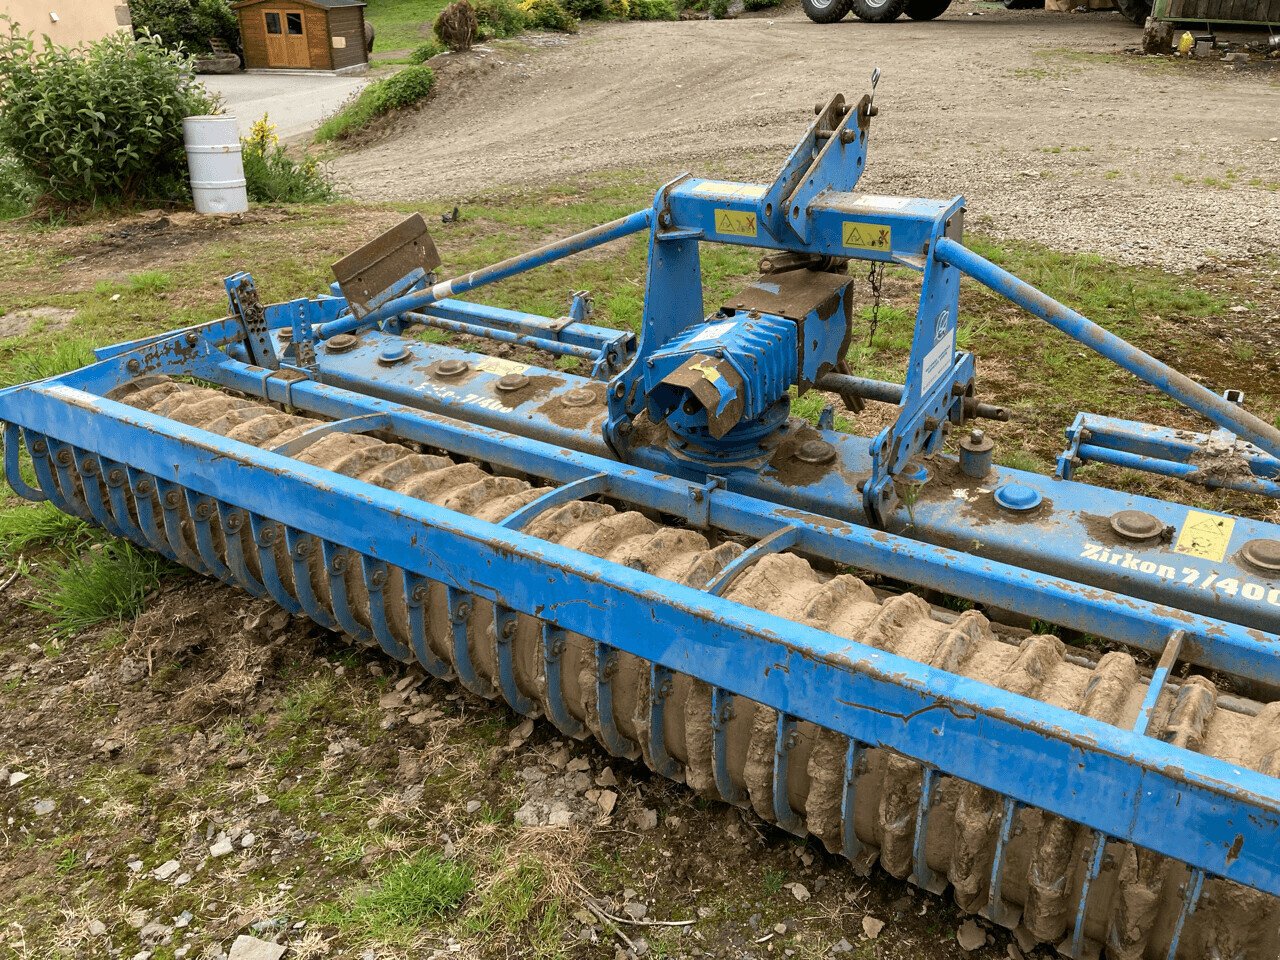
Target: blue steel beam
[
  {"x": 1123, "y": 354},
  {"x": 1202, "y": 811}
]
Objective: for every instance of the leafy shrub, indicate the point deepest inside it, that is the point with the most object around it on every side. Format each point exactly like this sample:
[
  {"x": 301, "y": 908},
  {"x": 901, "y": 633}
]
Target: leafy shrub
[
  {"x": 750, "y": 5},
  {"x": 272, "y": 176},
  {"x": 656, "y": 10},
  {"x": 17, "y": 192},
  {"x": 499, "y": 18},
  {"x": 186, "y": 24},
  {"x": 596, "y": 9},
  {"x": 549, "y": 15},
  {"x": 425, "y": 52},
  {"x": 100, "y": 123},
  {"x": 397, "y": 91}
]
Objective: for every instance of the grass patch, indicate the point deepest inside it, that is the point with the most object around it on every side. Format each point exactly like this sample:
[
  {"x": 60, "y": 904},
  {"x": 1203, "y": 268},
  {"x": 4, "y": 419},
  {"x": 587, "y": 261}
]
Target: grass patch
[
  {"x": 46, "y": 360},
  {"x": 41, "y": 525},
  {"x": 412, "y": 893},
  {"x": 401, "y": 24},
  {"x": 379, "y": 98},
  {"x": 109, "y": 583}
]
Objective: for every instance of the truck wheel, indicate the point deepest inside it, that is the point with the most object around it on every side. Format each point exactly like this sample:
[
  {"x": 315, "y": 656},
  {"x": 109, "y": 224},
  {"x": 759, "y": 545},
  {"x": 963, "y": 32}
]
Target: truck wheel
[
  {"x": 825, "y": 11},
  {"x": 877, "y": 11},
  {"x": 1024, "y": 4},
  {"x": 927, "y": 9},
  {"x": 1135, "y": 10}
]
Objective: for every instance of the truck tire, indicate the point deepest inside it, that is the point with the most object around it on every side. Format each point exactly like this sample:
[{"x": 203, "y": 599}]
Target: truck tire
[
  {"x": 878, "y": 11},
  {"x": 1023, "y": 4},
  {"x": 1135, "y": 10},
  {"x": 927, "y": 9},
  {"x": 825, "y": 11}
]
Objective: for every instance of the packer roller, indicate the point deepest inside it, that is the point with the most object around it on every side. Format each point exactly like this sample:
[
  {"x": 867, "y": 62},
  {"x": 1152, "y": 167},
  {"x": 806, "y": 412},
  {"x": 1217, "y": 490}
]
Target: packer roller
[{"x": 658, "y": 556}]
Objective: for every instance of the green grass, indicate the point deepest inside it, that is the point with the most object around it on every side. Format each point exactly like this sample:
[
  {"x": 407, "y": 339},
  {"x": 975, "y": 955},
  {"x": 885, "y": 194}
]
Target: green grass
[
  {"x": 53, "y": 356},
  {"x": 379, "y": 98},
  {"x": 150, "y": 282},
  {"x": 88, "y": 588},
  {"x": 422, "y": 889},
  {"x": 24, "y": 528},
  {"x": 401, "y": 24}
]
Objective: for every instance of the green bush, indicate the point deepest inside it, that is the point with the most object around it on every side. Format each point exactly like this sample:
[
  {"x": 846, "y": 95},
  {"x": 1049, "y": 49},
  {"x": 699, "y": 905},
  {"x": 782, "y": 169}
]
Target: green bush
[
  {"x": 499, "y": 18},
  {"x": 100, "y": 123},
  {"x": 549, "y": 15},
  {"x": 17, "y": 192},
  {"x": 656, "y": 10},
  {"x": 186, "y": 24},
  {"x": 397, "y": 91},
  {"x": 425, "y": 52},
  {"x": 750, "y": 5},
  {"x": 272, "y": 176}
]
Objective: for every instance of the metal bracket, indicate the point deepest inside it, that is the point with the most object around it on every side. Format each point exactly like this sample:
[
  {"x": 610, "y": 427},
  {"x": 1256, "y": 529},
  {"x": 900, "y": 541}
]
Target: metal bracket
[{"x": 247, "y": 308}]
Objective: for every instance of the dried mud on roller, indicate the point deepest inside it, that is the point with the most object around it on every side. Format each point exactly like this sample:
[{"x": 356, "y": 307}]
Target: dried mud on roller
[{"x": 1132, "y": 906}]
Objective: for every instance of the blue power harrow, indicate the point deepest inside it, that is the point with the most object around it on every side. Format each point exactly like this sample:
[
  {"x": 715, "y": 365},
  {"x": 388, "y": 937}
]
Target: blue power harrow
[{"x": 655, "y": 554}]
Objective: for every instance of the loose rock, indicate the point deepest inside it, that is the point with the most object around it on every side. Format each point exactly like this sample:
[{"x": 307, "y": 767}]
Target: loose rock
[
  {"x": 872, "y": 926},
  {"x": 970, "y": 936},
  {"x": 251, "y": 948}
]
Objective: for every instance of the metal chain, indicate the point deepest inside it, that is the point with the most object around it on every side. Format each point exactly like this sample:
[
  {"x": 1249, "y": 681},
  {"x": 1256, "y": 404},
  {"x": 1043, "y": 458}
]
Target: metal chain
[{"x": 874, "y": 277}]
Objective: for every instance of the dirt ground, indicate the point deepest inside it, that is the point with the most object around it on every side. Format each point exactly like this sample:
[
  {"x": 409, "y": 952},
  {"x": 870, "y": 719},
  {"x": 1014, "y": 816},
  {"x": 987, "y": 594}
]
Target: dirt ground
[{"x": 1050, "y": 129}]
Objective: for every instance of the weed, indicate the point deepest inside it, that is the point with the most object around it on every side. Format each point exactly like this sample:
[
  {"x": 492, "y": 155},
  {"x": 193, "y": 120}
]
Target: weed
[
  {"x": 65, "y": 863},
  {"x": 272, "y": 176},
  {"x": 773, "y": 880},
  {"x": 109, "y": 583},
  {"x": 24, "y": 528},
  {"x": 415, "y": 891}
]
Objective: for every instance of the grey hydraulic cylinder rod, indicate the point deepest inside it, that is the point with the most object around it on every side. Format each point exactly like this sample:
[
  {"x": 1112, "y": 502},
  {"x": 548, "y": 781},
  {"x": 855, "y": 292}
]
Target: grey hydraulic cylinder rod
[
  {"x": 549, "y": 253},
  {"x": 1120, "y": 352}
]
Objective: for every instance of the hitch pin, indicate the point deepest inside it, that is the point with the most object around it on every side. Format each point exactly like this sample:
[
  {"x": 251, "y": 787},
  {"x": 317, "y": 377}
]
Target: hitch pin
[{"x": 871, "y": 101}]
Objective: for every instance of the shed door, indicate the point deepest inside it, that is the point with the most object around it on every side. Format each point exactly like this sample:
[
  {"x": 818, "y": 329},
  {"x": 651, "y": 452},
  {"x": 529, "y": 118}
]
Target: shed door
[{"x": 286, "y": 39}]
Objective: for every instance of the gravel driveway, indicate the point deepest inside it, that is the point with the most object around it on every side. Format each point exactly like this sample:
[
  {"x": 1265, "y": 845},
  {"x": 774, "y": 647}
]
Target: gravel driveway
[{"x": 1043, "y": 121}]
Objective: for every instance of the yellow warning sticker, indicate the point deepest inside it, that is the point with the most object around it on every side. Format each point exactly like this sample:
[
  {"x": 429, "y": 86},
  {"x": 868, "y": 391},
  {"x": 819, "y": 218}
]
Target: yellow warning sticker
[
  {"x": 866, "y": 236},
  {"x": 1205, "y": 535},
  {"x": 736, "y": 223},
  {"x": 500, "y": 366}
]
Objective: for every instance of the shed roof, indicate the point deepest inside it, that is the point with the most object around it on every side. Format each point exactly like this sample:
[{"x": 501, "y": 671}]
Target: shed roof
[{"x": 326, "y": 4}]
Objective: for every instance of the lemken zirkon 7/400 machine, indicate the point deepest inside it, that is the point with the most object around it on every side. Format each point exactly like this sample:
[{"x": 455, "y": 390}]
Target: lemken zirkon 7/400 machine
[{"x": 658, "y": 556}]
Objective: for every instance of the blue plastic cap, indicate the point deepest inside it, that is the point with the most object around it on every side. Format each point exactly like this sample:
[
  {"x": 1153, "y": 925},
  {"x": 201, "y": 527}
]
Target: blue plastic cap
[{"x": 1014, "y": 496}]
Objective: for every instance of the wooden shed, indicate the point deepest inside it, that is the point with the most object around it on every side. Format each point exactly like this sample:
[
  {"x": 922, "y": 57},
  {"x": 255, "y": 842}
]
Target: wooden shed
[{"x": 302, "y": 34}]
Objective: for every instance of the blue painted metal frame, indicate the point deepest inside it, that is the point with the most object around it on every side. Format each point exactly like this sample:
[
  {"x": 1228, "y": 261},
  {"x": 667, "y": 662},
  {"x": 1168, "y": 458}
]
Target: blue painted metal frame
[
  {"x": 1219, "y": 818},
  {"x": 1093, "y": 438}
]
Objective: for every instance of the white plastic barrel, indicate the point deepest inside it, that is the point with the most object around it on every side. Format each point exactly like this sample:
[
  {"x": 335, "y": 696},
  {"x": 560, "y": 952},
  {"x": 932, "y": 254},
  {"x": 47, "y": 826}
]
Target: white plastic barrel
[{"x": 217, "y": 169}]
